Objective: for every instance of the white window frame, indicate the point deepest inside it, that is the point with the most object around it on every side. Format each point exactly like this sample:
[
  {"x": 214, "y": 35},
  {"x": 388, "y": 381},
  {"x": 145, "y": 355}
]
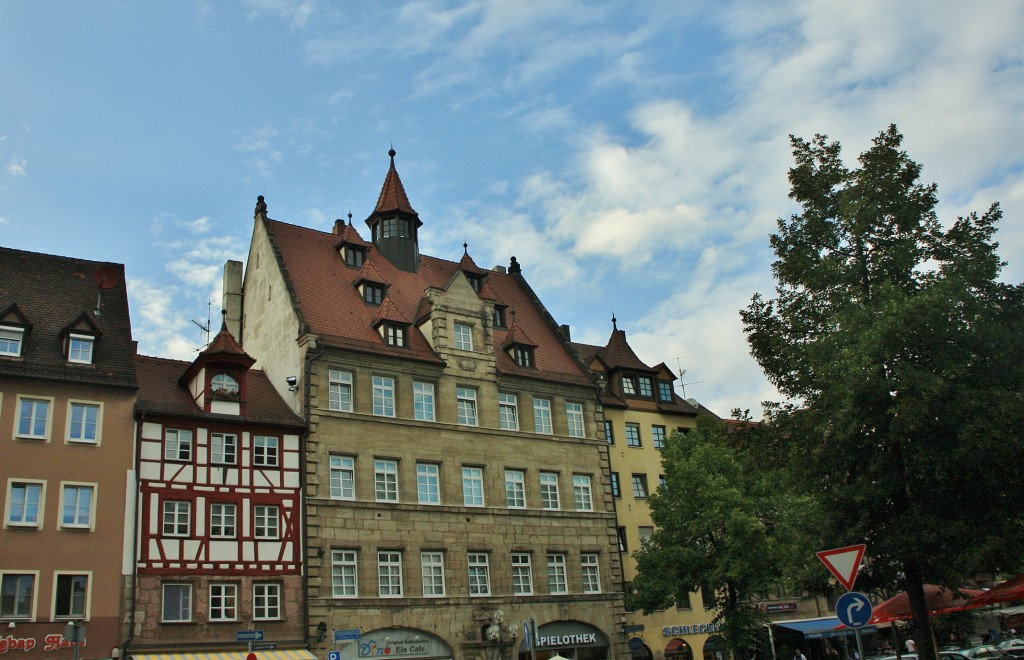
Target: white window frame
[
  {"x": 465, "y": 398},
  {"x": 12, "y": 340},
  {"x": 432, "y": 569},
  {"x": 266, "y": 451},
  {"x": 176, "y": 445},
  {"x": 628, "y": 385},
  {"x": 223, "y": 603},
  {"x": 344, "y": 573},
  {"x": 591, "y": 572},
  {"x": 224, "y": 383},
  {"x": 18, "y": 614},
  {"x": 266, "y": 601},
  {"x": 508, "y": 411},
  {"x": 78, "y": 488},
  {"x": 522, "y": 574},
  {"x": 223, "y": 520},
  {"x": 582, "y": 492},
  {"x": 185, "y": 602},
  {"x": 632, "y": 441},
  {"x": 423, "y": 401},
  {"x": 343, "y": 477},
  {"x": 40, "y": 503},
  {"x": 181, "y": 510},
  {"x": 84, "y": 596},
  {"x": 428, "y": 483},
  {"x": 78, "y": 428},
  {"x": 473, "y": 486},
  {"x": 35, "y": 403},
  {"x": 81, "y": 348},
  {"x": 574, "y": 419},
  {"x": 383, "y": 396},
  {"x": 389, "y": 573},
  {"x": 641, "y": 489},
  {"x": 557, "y": 580},
  {"x": 385, "y": 480},
  {"x": 463, "y": 335},
  {"x": 515, "y": 489},
  {"x": 340, "y": 390},
  {"x": 542, "y": 416},
  {"x": 479, "y": 574},
  {"x": 266, "y": 522},
  {"x": 224, "y": 448},
  {"x": 549, "y": 496}
]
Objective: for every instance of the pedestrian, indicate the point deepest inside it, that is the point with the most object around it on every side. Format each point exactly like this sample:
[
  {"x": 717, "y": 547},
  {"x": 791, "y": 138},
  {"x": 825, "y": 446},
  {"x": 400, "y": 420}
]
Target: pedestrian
[
  {"x": 798, "y": 655},
  {"x": 911, "y": 646}
]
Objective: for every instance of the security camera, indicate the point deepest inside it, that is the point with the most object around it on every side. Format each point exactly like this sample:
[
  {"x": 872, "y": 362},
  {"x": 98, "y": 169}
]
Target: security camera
[{"x": 291, "y": 380}]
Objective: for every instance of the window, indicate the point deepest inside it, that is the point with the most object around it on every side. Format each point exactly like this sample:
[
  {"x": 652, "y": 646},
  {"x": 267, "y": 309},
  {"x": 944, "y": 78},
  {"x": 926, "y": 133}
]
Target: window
[
  {"x": 508, "y": 411},
  {"x": 83, "y": 422},
  {"x": 423, "y": 401},
  {"x": 475, "y": 281},
  {"x": 515, "y": 489},
  {"x": 343, "y": 478},
  {"x": 23, "y": 504},
  {"x": 658, "y": 436},
  {"x": 557, "y": 583},
  {"x": 498, "y": 319},
  {"x": 683, "y": 601},
  {"x": 707, "y": 597},
  {"x": 224, "y": 384},
  {"x": 665, "y": 391},
  {"x": 549, "y": 490},
  {"x": 463, "y": 337},
  {"x": 432, "y": 567},
  {"x": 479, "y": 574},
  {"x": 522, "y": 574},
  {"x": 591, "y": 574},
  {"x": 385, "y": 480},
  {"x": 340, "y": 386},
  {"x": 394, "y": 334},
  {"x": 473, "y": 486},
  {"x": 266, "y": 601},
  {"x": 581, "y": 492},
  {"x": 524, "y": 355},
  {"x": 344, "y": 583},
  {"x": 646, "y": 386},
  {"x": 428, "y": 483},
  {"x": 354, "y": 256},
  {"x": 177, "y": 445},
  {"x": 632, "y": 435},
  {"x": 223, "y": 602},
  {"x": 616, "y": 488},
  {"x": 383, "y": 396},
  {"x": 389, "y": 573},
  {"x": 609, "y": 435},
  {"x": 224, "y": 448},
  {"x": 176, "y": 518},
  {"x": 265, "y": 451},
  {"x": 76, "y": 506},
  {"x": 16, "y": 595},
  {"x": 640, "y": 486},
  {"x": 645, "y": 534},
  {"x": 11, "y": 340},
  {"x": 623, "y": 544},
  {"x": 542, "y": 416},
  {"x": 71, "y": 597},
  {"x": 33, "y": 418},
  {"x": 373, "y": 293},
  {"x": 80, "y": 349},
  {"x": 177, "y": 603},
  {"x": 628, "y": 387},
  {"x": 466, "y": 400},
  {"x": 574, "y": 418},
  {"x": 266, "y": 522},
  {"x": 223, "y": 518}
]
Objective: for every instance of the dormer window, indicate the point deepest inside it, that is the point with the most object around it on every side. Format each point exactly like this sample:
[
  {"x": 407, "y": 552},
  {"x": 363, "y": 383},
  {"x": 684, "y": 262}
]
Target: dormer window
[
  {"x": 523, "y": 355},
  {"x": 394, "y": 227},
  {"x": 354, "y": 257},
  {"x": 646, "y": 386},
  {"x": 394, "y": 334},
  {"x": 628, "y": 386},
  {"x": 224, "y": 385},
  {"x": 373, "y": 293},
  {"x": 498, "y": 318},
  {"x": 80, "y": 349},
  {"x": 463, "y": 337},
  {"x": 665, "y": 391},
  {"x": 475, "y": 281},
  {"x": 11, "y": 340}
]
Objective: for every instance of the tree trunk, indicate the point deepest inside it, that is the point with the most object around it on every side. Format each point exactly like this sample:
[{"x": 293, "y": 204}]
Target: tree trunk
[{"x": 919, "y": 607}]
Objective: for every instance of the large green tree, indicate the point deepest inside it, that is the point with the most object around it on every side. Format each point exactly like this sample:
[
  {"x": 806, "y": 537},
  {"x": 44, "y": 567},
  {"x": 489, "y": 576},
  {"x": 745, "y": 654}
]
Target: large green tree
[
  {"x": 721, "y": 525},
  {"x": 902, "y": 354}
]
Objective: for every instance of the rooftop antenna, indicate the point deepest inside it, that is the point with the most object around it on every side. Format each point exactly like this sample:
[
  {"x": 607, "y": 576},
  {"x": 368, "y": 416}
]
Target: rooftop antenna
[
  {"x": 205, "y": 327},
  {"x": 682, "y": 374},
  {"x": 105, "y": 277}
]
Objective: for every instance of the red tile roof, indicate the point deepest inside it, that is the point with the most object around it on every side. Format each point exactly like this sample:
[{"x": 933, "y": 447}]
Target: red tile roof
[{"x": 392, "y": 193}]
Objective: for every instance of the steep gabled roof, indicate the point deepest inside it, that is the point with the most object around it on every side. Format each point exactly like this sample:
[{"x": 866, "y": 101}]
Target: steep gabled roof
[{"x": 392, "y": 194}]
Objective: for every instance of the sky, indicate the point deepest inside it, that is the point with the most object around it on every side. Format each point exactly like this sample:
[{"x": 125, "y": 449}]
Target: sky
[{"x": 632, "y": 156}]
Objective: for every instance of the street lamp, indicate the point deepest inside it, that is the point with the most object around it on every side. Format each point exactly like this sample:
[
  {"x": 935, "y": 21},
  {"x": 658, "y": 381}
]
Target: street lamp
[{"x": 501, "y": 635}]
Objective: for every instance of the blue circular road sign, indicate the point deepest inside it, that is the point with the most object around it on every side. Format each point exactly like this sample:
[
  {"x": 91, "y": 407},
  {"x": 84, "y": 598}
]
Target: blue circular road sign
[{"x": 853, "y": 609}]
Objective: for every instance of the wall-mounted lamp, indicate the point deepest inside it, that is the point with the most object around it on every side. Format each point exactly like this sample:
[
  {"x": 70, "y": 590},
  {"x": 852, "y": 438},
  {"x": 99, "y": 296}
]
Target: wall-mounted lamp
[
  {"x": 11, "y": 624},
  {"x": 321, "y": 631},
  {"x": 293, "y": 383}
]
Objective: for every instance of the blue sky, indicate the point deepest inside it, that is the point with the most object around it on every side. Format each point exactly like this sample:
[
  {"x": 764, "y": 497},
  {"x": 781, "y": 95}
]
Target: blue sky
[{"x": 631, "y": 155}]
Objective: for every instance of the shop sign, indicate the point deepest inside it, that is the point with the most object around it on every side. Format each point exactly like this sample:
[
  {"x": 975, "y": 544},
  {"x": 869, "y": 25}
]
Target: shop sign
[
  {"x": 560, "y": 634},
  {"x": 780, "y": 607},
  {"x": 567, "y": 640},
  {"x": 54, "y": 642},
  {"x": 693, "y": 629}
]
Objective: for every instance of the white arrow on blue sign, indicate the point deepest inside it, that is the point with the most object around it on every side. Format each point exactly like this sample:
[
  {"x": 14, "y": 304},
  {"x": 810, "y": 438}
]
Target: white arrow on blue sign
[
  {"x": 249, "y": 636},
  {"x": 854, "y": 609}
]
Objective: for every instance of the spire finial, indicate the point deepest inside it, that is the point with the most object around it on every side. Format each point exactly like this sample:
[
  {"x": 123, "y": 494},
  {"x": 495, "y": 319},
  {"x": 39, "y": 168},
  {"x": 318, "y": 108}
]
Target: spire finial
[
  {"x": 224, "y": 320},
  {"x": 614, "y": 327},
  {"x": 261, "y": 207},
  {"x": 465, "y": 249},
  {"x": 350, "y": 218},
  {"x": 392, "y": 153}
]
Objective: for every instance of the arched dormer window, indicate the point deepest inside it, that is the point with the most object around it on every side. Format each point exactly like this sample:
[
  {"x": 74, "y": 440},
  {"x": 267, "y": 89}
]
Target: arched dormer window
[{"x": 224, "y": 386}]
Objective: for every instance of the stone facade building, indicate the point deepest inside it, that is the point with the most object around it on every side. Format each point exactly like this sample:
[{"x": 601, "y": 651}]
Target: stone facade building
[{"x": 457, "y": 477}]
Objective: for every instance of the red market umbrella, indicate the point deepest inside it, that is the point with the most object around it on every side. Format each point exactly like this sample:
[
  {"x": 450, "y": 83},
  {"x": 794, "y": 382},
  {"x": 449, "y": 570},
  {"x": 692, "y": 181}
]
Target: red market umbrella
[
  {"x": 1004, "y": 592},
  {"x": 940, "y": 600}
]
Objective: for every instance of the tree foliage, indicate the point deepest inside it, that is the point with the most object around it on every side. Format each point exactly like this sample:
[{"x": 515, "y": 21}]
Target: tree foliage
[{"x": 903, "y": 356}]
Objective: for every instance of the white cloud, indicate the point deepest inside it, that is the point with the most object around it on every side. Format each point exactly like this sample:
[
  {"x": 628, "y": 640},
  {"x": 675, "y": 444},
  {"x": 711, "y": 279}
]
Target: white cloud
[
  {"x": 17, "y": 166},
  {"x": 295, "y": 12}
]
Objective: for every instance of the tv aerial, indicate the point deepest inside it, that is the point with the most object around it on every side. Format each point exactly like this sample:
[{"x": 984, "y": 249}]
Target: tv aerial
[{"x": 105, "y": 277}]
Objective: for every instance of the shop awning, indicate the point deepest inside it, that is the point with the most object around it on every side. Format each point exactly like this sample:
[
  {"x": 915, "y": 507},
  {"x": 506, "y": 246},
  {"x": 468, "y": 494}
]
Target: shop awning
[
  {"x": 819, "y": 628},
  {"x": 287, "y": 654}
]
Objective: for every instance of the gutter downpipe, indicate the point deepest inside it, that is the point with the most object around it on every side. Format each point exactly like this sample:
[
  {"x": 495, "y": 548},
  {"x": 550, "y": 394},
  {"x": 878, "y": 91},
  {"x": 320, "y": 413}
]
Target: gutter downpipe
[
  {"x": 306, "y": 407},
  {"x": 135, "y": 539}
]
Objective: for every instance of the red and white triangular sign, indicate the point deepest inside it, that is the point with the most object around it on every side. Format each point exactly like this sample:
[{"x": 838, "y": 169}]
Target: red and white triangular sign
[{"x": 844, "y": 563}]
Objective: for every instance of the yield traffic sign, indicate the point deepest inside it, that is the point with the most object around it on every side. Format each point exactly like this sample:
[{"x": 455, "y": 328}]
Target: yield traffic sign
[{"x": 844, "y": 563}]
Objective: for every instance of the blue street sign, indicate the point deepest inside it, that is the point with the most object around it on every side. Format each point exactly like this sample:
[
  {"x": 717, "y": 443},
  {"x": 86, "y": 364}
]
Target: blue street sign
[
  {"x": 249, "y": 636},
  {"x": 342, "y": 635},
  {"x": 334, "y": 655},
  {"x": 853, "y": 609}
]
